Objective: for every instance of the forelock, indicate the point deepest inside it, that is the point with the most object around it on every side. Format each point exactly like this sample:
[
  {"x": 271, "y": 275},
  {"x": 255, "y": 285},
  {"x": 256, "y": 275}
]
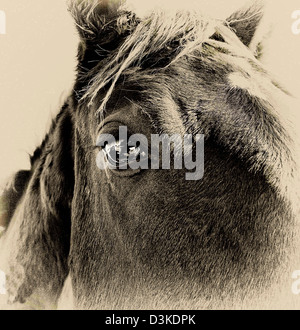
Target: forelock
[{"x": 178, "y": 34}]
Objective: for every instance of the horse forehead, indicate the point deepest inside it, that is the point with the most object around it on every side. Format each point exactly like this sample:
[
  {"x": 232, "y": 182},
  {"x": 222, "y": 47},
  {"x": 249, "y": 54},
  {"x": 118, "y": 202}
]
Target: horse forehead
[
  {"x": 157, "y": 104},
  {"x": 163, "y": 92}
]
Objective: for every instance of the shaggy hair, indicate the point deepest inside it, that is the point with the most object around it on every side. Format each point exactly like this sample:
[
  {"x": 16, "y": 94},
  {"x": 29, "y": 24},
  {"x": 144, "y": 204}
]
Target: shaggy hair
[
  {"x": 169, "y": 37},
  {"x": 221, "y": 237},
  {"x": 183, "y": 32}
]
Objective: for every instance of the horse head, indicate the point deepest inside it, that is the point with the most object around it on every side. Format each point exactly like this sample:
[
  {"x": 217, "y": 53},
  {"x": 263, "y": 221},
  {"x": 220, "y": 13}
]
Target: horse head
[{"x": 148, "y": 237}]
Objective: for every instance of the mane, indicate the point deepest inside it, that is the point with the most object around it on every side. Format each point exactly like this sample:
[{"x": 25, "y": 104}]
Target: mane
[
  {"x": 40, "y": 150},
  {"x": 235, "y": 218},
  {"x": 156, "y": 42},
  {"x": 179, "y": 33}
]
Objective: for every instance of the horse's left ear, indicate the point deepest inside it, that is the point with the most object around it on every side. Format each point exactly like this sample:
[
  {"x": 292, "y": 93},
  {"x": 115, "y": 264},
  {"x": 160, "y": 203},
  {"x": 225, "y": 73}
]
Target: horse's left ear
[
  {"x": 94, "y": 18},
  {"x": 102, "y": 25},
  {"x": 246, "y": 23}
]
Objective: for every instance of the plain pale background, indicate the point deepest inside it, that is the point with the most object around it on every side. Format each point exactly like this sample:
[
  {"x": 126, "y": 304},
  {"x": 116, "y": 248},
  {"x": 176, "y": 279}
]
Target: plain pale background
[{"x": 37, "y": 62}]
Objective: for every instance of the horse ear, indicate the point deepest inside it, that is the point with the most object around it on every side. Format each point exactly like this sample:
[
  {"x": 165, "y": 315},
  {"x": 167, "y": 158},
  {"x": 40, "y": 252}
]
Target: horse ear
[
  {"x": 94, "y": 18},
  {"x": 246, "y": 21},
  {"x": 102, "y": 25},
  {"x": 34, "y": 248}
]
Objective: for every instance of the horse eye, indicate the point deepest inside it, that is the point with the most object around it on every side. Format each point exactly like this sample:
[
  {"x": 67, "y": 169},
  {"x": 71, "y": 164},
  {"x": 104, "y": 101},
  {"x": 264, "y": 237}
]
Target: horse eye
[{"x": 117, "y": 154}]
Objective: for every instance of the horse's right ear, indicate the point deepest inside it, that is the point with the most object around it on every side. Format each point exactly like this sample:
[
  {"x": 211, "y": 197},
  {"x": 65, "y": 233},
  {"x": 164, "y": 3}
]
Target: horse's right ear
[
  {"x": 249, "y": 25},
  {"x": 102, "y": 25},
  {"x": 246, "y": 21}
]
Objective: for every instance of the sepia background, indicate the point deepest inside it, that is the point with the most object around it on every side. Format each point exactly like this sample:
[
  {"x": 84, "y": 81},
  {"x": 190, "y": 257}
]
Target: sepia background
[{"x": 37, "y": 62}]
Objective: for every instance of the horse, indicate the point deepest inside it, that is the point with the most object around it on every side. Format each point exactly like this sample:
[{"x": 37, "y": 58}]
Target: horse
[{"x": 87, "y": 238}]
